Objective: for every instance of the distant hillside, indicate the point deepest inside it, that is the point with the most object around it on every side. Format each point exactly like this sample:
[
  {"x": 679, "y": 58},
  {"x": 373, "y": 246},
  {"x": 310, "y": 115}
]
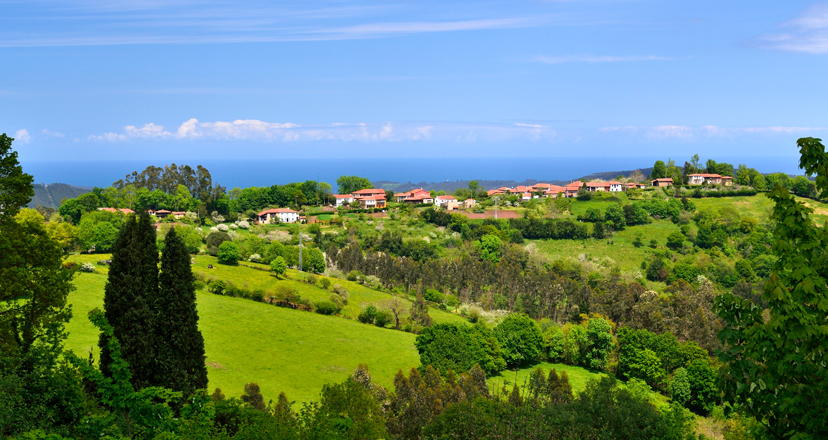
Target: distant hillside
[
  {"x": 50, "y": 195},
  {"x": 609, "y": 175}
]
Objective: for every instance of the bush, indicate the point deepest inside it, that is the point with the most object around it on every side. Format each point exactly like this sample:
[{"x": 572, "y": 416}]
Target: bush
[
  {"x": 327, "y": 308},
  {"x": 353, "y": 275},
  {"x": 553, "y": 341},
  {"x": 217, "y": 287},
  {"x": 368, "y": 315},
  {"x": 325, "y": 283},
  {"x": 278, "y": 266},
  {"x": 229, "y": 253},
  {"x": 520, "y": 340},
  {"x": 342, "y": 293},
  {"x": 214, "y": 240},
  {"x": 433, "y": 296},
  {"x": 680, "y": 387},
  {"x": 87, "y": 267},
  {"x": 459, "y": 347},
  {"x": 383, "y": 318}
]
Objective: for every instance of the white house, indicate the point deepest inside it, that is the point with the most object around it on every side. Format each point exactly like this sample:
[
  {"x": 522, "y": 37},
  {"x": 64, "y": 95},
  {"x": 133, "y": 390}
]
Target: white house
[
  {"x": 278, "y": 215},
  {"x": 343, "y": 199},
  {"x": 615, "y": 186},
  {"x": 444, "y": 200}
]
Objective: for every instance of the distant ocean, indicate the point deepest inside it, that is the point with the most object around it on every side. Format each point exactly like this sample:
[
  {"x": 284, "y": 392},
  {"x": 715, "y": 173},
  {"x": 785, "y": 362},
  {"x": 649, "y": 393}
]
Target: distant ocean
[{"x": 268, "y": 172}]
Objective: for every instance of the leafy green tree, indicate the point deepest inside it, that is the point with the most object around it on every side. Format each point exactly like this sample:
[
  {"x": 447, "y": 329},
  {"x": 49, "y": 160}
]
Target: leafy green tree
[
  {"x": 614, "y": 216},
  {"x": 349, "y": 184},
  {"x": 348, "y": 411},
  {"x": 776, "y": 355},
  {"x": 176, "y": 325},
  {"x": 675, "y": 240},
  {"x": 73, "y": 209},
  {"x": 419, "y": 312},
  {"x": 278, "y": 266},
  {"x": 98, "y": 230},
  {"x": 490, "y": 247},
  {"x": 16, "y": 188},
  {"x": 599, "y": 344},
  {"x": 704, "y": 394},
  {"x": 313, "y": 260},
  {"x": 229, "y": 253},
  {"x": 459, "y": 347},
  {"x": 680, "y": 387},
  {"x": 521, "y": 340},
  {"x": 659, "y": 170}
]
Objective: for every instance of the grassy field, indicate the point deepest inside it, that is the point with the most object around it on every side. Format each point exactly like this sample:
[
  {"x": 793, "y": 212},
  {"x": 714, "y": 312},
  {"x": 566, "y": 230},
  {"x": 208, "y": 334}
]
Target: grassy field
[
  {"x": 618, "y": 249},
  {"x": 280, "y": 349}
]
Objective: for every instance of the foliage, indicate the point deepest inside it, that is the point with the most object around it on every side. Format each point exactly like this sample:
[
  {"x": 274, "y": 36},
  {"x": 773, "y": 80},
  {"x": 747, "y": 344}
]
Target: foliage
[
  {"x": 278, "y": 266},
  {"x": 98, "y": 230},
  {"x": 15, "y": 186},
  {"x": 229, "y": 253},
  {"x": 349, "y": 184},
  {"x": 327, "y": 308},
  {"x": 214, "y": 240},
  {"x": 520, "y": 340},
  {"x": 459, "y": 347},
  {"x": 490, "y": 248},
  {"x": 777, "y": 357}
]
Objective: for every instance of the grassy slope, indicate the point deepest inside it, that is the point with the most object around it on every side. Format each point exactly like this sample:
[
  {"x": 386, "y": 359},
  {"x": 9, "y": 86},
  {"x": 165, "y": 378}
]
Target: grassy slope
[
  {"x": 280, "y": 349},
  {"x": 359, "y": 296}
]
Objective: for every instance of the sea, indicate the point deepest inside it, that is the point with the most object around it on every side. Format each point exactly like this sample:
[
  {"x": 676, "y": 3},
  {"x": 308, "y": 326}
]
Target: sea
[{"x": 245, "y": 173}]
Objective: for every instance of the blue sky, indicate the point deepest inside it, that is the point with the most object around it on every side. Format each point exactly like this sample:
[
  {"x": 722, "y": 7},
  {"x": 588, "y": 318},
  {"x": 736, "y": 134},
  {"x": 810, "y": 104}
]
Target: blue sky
[{"x": 189, "y": 80}]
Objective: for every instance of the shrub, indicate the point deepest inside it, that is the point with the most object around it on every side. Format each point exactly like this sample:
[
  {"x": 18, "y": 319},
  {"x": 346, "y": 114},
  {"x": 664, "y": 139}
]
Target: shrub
[
  {"x": 254, "y": 258},
  {"x": 223, "y": 228},
  {"x": 520, "y": 340},
  {"x": 87, "y": 267},
  {"x": 680, "y": 387},
  {"x": 383, "y": 318},
  {"x": 278, "y": 266},
  {"x": 553, "y": 341},
  {"x": 217, "y": 287},
  {"x": 433, "y": 296},
  {"x": 243, "y": 224},
  {"x": 228, "y": 253},
  {"x": 368, "y": 315},
  {"x": 327, "y": 308},
  {"x": 311, "y": 279},
  {"x": 372, "y": 282},
  {"x": 214, "y": 240},
  {"x": 675, "y": 240},
  {"x": 353, "y": 275},
  {"x": 342, "y": 293},
  {"x": 325, "y": 283}
]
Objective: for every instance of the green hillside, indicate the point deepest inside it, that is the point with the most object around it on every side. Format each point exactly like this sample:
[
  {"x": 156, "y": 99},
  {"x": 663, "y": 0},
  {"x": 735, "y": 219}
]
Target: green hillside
[{"x": 280, "y": 349}]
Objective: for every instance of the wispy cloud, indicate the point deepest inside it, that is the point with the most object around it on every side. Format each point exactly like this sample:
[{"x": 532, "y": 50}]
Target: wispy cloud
[
  {"x": 594, "y": 59},
  {"x": 807, "y": 33},
  {"x": 22, "y": 136},
  {"x": 107, "y": 23},
  {"x": 279, "y": 132},
  {"x": 688, "y": 132}
]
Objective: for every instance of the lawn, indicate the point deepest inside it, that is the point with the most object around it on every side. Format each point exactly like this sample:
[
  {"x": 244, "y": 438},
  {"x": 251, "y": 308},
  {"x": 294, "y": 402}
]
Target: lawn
[
  {"x": 280, "y": 349},
  {"x": 578, "y": 378},
  {"x": 618, "y": 249}
]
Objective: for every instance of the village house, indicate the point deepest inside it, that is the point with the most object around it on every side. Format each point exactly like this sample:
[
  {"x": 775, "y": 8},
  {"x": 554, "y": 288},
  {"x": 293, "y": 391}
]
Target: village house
[
  {"x": 343, "y": 199},
  {"x": 634, "y": 185},
  {"x": 498, "y": 191},
  {"x": 278, "y": 215},
  {"x": 445, "y": 201},
  {"x": 415, "y": 196},
  {"x": 704, "y": 179},
  {"x": 727, "y": 181},
  {"x": 571, "y": 189},
  {"x": 662, "y": 181},
  {"x": 469, "y": 203},
  {"x": 161, "y": 213}
]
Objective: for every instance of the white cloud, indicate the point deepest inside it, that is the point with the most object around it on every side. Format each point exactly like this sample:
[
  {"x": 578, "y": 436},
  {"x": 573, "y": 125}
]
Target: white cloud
[
  {"x": 807, "y": 33},
  {"x": 592, "y": 59},
  {"x": 53, "y": 134},
  {"x": 22, "y": 136},
  {"x": 263, "y": 131}
]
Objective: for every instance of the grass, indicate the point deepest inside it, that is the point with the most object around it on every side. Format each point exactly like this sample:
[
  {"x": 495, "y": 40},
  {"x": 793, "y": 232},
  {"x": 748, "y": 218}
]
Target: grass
[
  {"x": 618, "y": 249},
  {"x": 280, "y": 349},
  {"x": 359, "y": 296},
  {"x": 578, "y": 378}
]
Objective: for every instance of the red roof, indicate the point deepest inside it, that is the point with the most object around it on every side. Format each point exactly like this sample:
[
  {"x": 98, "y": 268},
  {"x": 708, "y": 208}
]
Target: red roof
[
  {"x": 369, "y": 191},
  {"x": 663, "y": 179},
  {"x": 343, "y": 196},
  {"x": 705, "y": 175},
  {"x": 121, "y": 210},
  {"x": 163, "y": 211},
  {"x": 277, "y": 210},
  {"x": 375, "y": 197},
  {"x": 447, "y": 197}
]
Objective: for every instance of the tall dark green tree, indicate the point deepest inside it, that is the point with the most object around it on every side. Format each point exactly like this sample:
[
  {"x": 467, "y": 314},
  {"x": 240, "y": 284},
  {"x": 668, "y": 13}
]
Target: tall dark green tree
[
  {"x": 131, "y": 289},
  {"x": 659, "y": 170},
  {"x": 181, "y": 359},
  {"x": 777, "y": 355}
]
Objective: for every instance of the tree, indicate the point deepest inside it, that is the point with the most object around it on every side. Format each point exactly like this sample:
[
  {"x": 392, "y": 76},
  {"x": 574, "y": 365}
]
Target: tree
[
  {"x": 659, "y": 170},
  {"x": 680, "y": 387},
  {"x": 490, "y": 247},
  {"x": 599, "y": 343},
  {"x": 131, "y": 289},
  {"x": 419, "y": 312},
  {"x": 98, "y": 230},
  {"x": 229, "y": 253},
  {"x": 520, "y": 339},
  {"x": 215, "y": 239},
  {"x": 16, "y": 188},
  {"x": 176, "y": 325},
  {"x": 349, "y": 184},
  {"x": 253, "y": 396},
  {"x": 459, "y": 347},
  {"x": 776, "y": 355},
  {"x": 278, "y": 266},
  {"x": 675, "y": 240}
]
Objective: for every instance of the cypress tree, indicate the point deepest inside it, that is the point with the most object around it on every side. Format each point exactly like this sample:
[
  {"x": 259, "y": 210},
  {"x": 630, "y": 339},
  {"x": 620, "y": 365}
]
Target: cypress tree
[
  {"x": 181, "y": 357},
  {"x": 130, "y": 290}
]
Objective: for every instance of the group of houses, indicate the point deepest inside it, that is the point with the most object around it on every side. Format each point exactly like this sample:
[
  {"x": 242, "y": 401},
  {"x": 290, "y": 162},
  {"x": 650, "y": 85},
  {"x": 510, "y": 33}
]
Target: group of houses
[
  {"x": 696, "y": 179},
  {"x": 541, "y": 190},
  {"x": 365, "y": 198},
  {"x": 420, "y": 196},
  {"x": 158, "y": 213}
]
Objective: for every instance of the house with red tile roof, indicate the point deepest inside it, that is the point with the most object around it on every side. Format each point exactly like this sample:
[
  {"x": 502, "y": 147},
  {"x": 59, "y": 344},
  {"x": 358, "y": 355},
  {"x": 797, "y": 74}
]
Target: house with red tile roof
[
  {"x": 371, "y": 201},
  {"x": 367, "y": 198},
  {"x": 415, "y": 196},
  {"x": 343, "y": 199},
  {"x": 662, "y": 181},
  {"x": 571, "y": 189},
  {"x": 445, "y": 201},
  {"x": 277, "y": 215},
  {"x": 121, "y": 210},
  {"x": 706, "y": 179}
]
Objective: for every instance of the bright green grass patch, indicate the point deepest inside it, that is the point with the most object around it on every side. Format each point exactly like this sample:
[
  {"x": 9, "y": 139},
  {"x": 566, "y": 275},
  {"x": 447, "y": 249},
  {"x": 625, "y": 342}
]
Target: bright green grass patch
[
  {"x": 247, "y": 277},
  {"x": 578, "y": 378},
  {"x": 619, "y": 247},
  {"x": 280, "y": 349}
]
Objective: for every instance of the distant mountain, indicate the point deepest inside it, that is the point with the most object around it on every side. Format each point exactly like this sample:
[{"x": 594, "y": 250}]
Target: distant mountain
[
  {"x": 609, "y": 175},
  {"x": 50, "y": 195}
]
